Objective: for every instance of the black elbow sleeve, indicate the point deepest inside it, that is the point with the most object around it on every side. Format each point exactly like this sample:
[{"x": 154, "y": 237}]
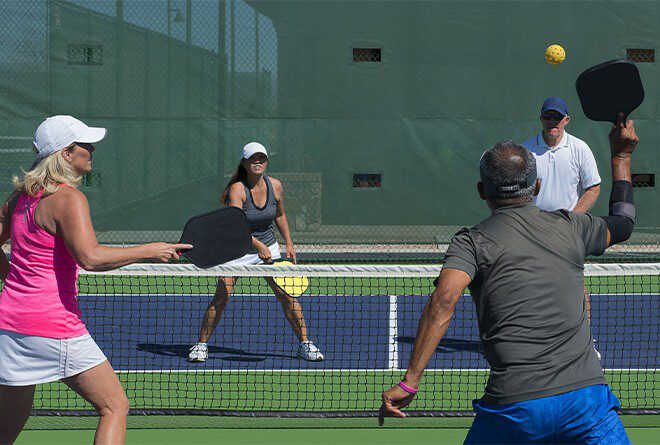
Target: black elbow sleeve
[
  {"x": 621, "y": 219},
  {"x": 620, "y": 228},
  {"x": 621, "y": 200}
]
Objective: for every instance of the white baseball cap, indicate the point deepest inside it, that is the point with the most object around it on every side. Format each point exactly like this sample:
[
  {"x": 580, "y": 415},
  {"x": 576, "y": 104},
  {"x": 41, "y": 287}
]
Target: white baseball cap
[
  {"x": 253, "y": 147},
  {"x": 58, "y": 132}
]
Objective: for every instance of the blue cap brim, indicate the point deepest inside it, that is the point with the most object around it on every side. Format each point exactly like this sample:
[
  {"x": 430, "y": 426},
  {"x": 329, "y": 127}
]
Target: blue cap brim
[{"x": 554, "y": 109}]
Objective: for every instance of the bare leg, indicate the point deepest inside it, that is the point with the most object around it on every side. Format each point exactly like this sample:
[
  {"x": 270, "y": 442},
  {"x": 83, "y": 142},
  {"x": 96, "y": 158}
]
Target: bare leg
[
  {"x": 214, "y": 310},
  {"x": 15, "y": 405},
  {"x": 100, "y": 387},
  {"x": 588, "y": 303},
  {"x": 292, "y": 311}
]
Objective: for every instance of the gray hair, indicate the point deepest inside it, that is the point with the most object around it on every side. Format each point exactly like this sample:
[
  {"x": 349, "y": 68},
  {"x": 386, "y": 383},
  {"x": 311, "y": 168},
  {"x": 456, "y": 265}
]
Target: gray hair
[{"x": 508, "y": 163}]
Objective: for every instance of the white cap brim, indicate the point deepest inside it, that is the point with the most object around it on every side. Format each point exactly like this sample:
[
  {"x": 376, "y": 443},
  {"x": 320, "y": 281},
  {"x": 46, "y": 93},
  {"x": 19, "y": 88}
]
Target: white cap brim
[{"x": 92, "y": 135}]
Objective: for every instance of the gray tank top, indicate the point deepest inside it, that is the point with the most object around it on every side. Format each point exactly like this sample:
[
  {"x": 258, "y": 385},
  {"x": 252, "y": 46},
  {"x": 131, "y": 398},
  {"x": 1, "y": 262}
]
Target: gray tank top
[{"x": 261, "y": 219}]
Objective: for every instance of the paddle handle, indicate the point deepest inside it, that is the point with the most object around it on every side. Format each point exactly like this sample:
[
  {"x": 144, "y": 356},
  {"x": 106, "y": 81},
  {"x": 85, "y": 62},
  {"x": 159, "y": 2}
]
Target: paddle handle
[{"x": 271, "y": 262}]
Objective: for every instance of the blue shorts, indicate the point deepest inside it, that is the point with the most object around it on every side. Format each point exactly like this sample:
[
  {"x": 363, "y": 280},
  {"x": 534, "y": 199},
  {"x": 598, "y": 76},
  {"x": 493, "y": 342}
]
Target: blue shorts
[{"x": 585, "y": 416}]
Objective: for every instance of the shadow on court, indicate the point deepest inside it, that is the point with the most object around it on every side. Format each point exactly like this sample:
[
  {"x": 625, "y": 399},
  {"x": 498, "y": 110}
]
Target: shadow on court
[
  {"x": 449, "y": 345},
  {"x": 234, "y": 355}
]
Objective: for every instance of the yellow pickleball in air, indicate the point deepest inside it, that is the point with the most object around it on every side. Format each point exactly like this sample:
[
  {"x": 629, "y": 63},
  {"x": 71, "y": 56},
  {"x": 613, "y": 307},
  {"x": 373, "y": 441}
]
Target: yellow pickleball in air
[{"x": 555, "y": 54}]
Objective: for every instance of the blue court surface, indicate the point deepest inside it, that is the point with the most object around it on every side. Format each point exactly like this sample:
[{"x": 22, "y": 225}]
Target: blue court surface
[{"x": 144, "y": 333}]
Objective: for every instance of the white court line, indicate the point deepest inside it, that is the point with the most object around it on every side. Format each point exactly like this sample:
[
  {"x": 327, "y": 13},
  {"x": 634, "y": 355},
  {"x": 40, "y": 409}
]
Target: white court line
[
  {"x": 276, "y": 371},
  {"x": 190, "y": 295},
  {"x": 392, "y": 334}
]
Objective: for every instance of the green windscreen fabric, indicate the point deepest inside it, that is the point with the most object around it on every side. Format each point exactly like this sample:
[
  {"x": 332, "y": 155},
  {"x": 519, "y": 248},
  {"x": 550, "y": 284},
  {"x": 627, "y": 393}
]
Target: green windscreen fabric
[{"x": 374, "y": 113}]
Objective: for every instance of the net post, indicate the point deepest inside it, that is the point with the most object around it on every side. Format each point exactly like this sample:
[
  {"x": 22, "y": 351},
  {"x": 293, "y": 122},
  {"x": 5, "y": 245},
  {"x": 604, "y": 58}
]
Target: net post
[{"x": 392, "y": 332}]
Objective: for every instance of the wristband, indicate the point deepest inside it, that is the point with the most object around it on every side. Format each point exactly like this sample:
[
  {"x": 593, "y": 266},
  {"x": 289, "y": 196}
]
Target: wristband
[{"x": 407, "y": 388}]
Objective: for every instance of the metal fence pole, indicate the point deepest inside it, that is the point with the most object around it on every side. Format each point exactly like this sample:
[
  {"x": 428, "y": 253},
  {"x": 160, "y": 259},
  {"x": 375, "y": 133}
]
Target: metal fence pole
[
  {"x": 188, "y": 21},
  {"x": 232, "y": 56}
]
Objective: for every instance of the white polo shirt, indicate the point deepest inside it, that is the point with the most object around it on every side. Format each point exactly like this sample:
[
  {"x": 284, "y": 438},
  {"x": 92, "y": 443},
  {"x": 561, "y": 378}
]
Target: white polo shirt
[{"x": 565, "y": 171}]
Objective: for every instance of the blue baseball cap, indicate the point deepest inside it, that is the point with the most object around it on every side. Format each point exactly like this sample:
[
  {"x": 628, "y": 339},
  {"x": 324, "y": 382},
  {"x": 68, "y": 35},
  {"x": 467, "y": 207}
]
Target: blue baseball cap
[{"x": 555, "y": 104}]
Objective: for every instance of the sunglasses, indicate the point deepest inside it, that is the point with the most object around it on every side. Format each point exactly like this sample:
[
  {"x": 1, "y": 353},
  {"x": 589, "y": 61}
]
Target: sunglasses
[
  {"x": 89, "y": 147},
  {"x": 552, "y": 116}
]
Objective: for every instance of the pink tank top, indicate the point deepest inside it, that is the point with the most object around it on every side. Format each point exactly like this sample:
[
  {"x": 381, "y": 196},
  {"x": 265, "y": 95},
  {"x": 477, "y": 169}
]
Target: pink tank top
[{"x": 39, "y": 295}]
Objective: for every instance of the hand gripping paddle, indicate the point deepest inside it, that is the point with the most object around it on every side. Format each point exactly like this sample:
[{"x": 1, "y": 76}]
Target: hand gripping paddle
[
  {"x": 217, "y": 237},
  {"x": 610, "y": 88}
]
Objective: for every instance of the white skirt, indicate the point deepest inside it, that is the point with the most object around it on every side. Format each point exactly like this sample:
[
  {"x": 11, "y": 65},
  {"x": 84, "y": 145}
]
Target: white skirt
[
  {"x": 253, "y": 258},
  {"x": 30, "y": 360}
]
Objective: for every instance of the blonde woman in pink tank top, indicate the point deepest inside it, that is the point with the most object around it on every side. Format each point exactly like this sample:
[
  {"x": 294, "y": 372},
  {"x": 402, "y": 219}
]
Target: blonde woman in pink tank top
[{"x": 42, "y": 334}]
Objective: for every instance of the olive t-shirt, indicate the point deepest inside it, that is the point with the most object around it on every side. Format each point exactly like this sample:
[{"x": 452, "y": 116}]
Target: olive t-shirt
[{"x": 527, "y": 270}]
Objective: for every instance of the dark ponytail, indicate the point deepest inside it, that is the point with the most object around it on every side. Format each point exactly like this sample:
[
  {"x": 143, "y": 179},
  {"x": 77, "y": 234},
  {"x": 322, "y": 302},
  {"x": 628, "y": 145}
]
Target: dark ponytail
[{"x": 240, "y": 175}]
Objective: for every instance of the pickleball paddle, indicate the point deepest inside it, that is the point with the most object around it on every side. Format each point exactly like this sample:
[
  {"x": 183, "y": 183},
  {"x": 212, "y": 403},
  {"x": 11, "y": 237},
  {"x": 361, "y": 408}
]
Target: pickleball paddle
[
  {"x": 218, "y": 236},
  {"x": 609, "y": 88},
  {"x": 293, "y": 286}
]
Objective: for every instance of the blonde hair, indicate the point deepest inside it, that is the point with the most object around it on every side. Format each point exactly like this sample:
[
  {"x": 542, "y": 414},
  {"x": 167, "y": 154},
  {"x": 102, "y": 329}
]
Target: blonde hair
[{"x": 47, "y": 174}]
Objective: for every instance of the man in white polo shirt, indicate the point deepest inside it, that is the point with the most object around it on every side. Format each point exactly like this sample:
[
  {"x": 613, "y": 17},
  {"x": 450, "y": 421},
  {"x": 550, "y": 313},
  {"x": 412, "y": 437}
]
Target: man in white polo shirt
[{"x": 565, "y": 164}]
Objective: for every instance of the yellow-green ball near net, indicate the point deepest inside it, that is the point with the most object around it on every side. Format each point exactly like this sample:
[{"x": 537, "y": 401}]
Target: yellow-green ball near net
[{"x": 555, "y": 54}]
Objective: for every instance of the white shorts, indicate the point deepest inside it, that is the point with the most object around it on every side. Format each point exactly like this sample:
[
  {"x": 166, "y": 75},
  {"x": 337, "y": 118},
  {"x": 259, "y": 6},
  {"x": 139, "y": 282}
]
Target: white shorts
[
  {"x": 253, "y": 258},
  {"x": 30, "y": 360}
]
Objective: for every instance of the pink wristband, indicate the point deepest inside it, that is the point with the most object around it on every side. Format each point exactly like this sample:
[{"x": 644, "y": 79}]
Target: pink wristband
[{"x": 407, "y": 388}]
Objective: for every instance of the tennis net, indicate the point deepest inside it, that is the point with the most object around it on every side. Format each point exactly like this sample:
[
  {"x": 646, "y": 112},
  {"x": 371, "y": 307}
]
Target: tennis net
[{"x": 364, "y": 320}]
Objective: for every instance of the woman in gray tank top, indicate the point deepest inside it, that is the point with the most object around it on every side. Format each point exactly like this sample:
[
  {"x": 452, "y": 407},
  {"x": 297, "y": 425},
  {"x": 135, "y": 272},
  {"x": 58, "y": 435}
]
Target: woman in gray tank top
[{"x": 261, "y": 198}]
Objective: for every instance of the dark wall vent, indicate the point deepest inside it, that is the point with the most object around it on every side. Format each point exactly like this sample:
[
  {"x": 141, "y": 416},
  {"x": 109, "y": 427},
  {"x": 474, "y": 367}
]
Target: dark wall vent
[
  {"x": 361, "y": 55},
  {"x": 365, "y": 180},
  {"x": 643, "y": 180},
  {"x": 84, "y": 55},
  {"x": 641, "y": 55}
]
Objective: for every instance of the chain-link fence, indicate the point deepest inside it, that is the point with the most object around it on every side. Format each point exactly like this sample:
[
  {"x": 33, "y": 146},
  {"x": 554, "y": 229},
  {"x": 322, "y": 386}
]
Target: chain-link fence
[{"x": 374, "y": 119}]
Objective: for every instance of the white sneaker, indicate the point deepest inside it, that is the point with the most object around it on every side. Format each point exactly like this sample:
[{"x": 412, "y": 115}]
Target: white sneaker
[
  {"x": 198, "y": 353},
  {"x": 597, "y": 353},
  {"x": 308, "y": 351}
]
